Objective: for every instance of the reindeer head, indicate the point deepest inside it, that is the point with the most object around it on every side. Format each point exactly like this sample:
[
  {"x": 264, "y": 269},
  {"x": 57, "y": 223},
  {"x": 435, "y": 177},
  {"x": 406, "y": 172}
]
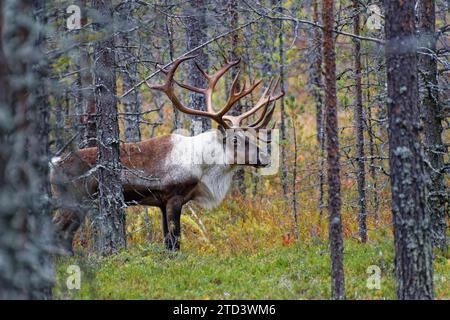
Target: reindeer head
[{"x": 243, "y": 138}]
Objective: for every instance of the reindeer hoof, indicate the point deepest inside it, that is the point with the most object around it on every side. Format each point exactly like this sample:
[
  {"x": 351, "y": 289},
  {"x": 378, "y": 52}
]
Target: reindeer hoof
[{"x": 172, "y": 244}]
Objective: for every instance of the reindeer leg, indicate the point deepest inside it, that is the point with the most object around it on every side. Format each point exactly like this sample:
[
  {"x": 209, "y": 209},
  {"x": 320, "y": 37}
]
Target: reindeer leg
[
  {"x": 165, "y": 229},
  {"x": 172, "y": 240},
  {"x": 66, "y": 224}
]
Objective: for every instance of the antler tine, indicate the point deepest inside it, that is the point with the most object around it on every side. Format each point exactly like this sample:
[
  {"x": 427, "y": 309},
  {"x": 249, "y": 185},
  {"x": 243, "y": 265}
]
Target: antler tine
[
  {"x": 261, "y": 117},
  {"x": 264, "y": 100},
  {"x": 235, "y": 96},
  {"x": 212, "y": 81},
  {"x": 237, "y": 120},
  {"x": 265, "y": 119},
  {"x": 169, "y": 74},
  {"x": 167, "y": 88},
  {"x": 269, "y": 87},
  {"x": 235, "y": 83},
  {"x": 161, "y": 68},
  {"x": 189, "y": 87},
  {"x": 219, "y": 73},
  {"x": 192, "y": 88},
  {"x": 231, "y": 100},
  {"x": 203, "y": 72}
]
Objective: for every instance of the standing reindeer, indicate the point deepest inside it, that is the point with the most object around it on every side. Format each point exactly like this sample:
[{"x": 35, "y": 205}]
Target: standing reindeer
[{"x": 168, "y": 171}]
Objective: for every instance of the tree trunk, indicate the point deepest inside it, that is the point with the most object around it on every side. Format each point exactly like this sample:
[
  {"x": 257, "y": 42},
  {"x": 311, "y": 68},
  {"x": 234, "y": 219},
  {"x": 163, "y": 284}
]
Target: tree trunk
[
  {"x": 294, "y": 183},
  {"x": 111, "y": 223},
  {"x": 412, "y": 236},
  {"x": 128, "y": 73},
  {"x": 372, "y": 146},
  {"x": 334, "y": 183},
  {"x": 196, "y": 34},
  {"x": 233, "y": 21},
  {"x": 176, "y": 121},
  {"x": 317, "y": 91},
  {"x": 87, "y": 85},
  {"x": 59, "y": 120},
  {"x": 264, "y": 48},
  {"x": 85, "y": 109},
  {"x": 359, "y": 129},
  {"x": 432, "y": 120},
  {"x": 283, "y": 134},
  {"x": 26, "y": 270}
]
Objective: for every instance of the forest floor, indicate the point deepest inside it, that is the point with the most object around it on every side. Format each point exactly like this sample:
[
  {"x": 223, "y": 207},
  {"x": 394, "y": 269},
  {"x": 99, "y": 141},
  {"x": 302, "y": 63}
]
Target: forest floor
[{"x": 295, "y": 271}]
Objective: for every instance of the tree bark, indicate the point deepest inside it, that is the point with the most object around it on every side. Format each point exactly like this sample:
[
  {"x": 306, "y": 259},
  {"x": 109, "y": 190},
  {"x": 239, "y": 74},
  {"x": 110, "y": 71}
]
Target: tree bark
[
  {"x": 432, "y": 120},
  {"x": 412, "y": 234},
  {"x": 334, "y": 183},
  {"x": 283, "y": 133},
  {"x": 233, "y": 21},
  {"x": 61, "y": 103},
  {"x": 372, "y": 147},
  {"x": 128, "y": 73},
  {"x": 176, "y": 121},
  {"x": 196, "y": 34},
  {"x": 359, "y": 128},
  {"x": 111, "y": 223},
  {"x": 294, "y": 184},
  {"x": 317, "y": 92},
  {"x": 26, "y": 269},
  {"x": 86, "y": 94}
]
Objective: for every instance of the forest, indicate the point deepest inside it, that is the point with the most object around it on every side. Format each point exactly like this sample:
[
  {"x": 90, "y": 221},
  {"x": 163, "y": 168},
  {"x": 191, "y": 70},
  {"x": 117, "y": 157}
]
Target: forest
[{"x": 224, "y": 149}]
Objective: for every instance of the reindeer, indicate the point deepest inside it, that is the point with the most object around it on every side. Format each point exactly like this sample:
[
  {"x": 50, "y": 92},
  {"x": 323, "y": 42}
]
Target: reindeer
[{"x": 165, "y": 171}]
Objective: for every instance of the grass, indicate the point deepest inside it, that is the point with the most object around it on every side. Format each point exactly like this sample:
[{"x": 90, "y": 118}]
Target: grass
[{"x": 297, "y": 271}]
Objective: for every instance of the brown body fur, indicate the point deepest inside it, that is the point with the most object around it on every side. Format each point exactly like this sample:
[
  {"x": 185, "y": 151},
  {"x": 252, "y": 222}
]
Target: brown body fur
[{"x": 143, "y": 163}]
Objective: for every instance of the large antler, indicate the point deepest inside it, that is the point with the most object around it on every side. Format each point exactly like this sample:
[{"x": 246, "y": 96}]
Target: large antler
[{"x": 235, "y": 95}]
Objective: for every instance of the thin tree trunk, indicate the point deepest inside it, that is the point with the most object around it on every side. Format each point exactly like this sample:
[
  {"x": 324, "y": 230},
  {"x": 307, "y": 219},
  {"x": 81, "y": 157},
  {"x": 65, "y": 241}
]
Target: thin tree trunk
[
  {"x": 176, "y": 121},
  {"x": 85, "y": 111},
  {"x": 128, "y": 73},
  {"x": 431, "y": 110},
  {"x": 372, "y": 146},
  {"x": 334, "y": 183},
  {"x": 233, "y": 21},
  {"x": 412, "y": 236},
  {"x": 80, "y": 60},
  {"x": 359, "y": 126},
  {"x": 264, "y": 49},
  {"x": 59, "y": 120},
  {"x": 111, "y": 224},
  {"x": 87, "y": 86},
  {"x": 317, "y": 88},
  {"x": 196, "y": 34},
  {"x": 283, "y": 132},
  {"x": 294, "y": 184},
  {"x": 26, "y": 268},
  {"x": 78, "y": 124}
]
